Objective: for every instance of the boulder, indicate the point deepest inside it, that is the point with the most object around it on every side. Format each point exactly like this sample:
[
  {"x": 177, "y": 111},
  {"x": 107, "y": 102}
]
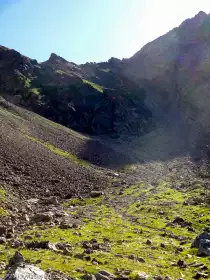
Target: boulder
[
  {"x": 18, "y": 270},
  {"x": 204, "y": 247},
  {"x": 26, "y": 272},
  {"x": 42, "y": 217},
  {"x": 202, "y": 243}
]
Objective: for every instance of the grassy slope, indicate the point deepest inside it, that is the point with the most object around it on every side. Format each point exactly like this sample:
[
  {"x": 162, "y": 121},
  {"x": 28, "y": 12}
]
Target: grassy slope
[{"x": 126, "y": 222}]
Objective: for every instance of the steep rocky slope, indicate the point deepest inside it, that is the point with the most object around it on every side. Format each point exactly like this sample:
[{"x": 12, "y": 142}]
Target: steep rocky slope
[
  {"x": 38, "y": 156},
  {"x": 178, "y": 63},
  {"x": 88, "y": 98}
]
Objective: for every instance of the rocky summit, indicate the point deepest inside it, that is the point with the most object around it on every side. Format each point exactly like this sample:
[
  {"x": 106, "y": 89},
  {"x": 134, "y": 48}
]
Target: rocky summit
[{"x": 104, "y": 167}]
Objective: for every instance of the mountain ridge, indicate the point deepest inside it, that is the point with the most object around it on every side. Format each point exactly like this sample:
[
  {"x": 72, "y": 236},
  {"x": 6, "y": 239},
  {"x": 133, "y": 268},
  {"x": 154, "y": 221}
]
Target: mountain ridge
[{"x": 156, "y": 83}]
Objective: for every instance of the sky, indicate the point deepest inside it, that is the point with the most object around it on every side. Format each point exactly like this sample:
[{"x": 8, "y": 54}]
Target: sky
[{"x": 89, "y": 30}]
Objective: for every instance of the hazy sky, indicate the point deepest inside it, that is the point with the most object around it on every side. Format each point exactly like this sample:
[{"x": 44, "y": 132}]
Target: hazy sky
[{"x": 89, "y": 30}]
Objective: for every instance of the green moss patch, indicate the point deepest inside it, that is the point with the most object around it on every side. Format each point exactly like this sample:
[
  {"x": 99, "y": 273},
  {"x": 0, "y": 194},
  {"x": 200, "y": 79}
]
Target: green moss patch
[
  {"x": 35, "y": 91},
  {"x": 59, "y": 152},
  {"x": 2, "y": 194},
  {"x": 95, "y": 86},
  {"x": 61, "y": 72}
]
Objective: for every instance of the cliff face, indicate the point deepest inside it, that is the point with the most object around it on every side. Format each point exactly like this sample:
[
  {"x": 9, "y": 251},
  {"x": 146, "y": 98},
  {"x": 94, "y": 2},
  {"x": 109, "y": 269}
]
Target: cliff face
[
  {"x": 91, "y": 98},
  {"x": 179, "y": 64}
]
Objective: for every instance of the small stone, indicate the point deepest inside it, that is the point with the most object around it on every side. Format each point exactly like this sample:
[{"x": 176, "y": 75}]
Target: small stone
[
  {"x": 94, "y": 262},
  {"x": 32, "y": 201},
  {"x": 88, "y": 251},
  {"x": 93, "y": 240},
  {"x": 106, "y": 273},
  {"x": 178, "y": 220},
  {"x": 141, "y": 276},
  {"x": 201, "y": 275},
  {"x": 75, "y": 226},
  {"x": 140, "y": 260},
  {"x": 132, "y": 257},
  {"x": 41, "y": 245},
  {"x": 149, "y": 242},
  {"x": 181, "y": 263},
  {"x": 119, "y": 255},
  {"x": 162, "y": 245},
  {"x": 85, "y": 244},
  {"x": 3, "y": 230},
  {"x": 2, "y": 266},
  {"x": 28, "y": 237},
  {"x": 95, "y": 194},
  {"x": 79, "y": 269},
  {"x": 16, "y": 260},
  {"x": 3, "y": 240},
  {"x": 158, "y": 277},
  {"x": 106, "y": 239},
  {"x": 186, "y": 203},
  {"x": 95, "y": 246},
  {"x": 9, "y": 235},
  {"x": 17, "y": 243},
  {"x": 99, "y": 276},
  {"x": 67, "y": 252},
  {"x": 191, "y": 229},
  {"x": 87, "y": 258},
  {"x": 51, "y": 200},
  {"x": 65, "y": 225},
  {"x": 26, "y": 217}
]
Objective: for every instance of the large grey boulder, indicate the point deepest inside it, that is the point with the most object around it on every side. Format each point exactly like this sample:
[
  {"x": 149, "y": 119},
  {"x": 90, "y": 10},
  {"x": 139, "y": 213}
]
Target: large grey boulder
[
  {"x": 25, "y": 272},
  {"x": 202, "y": 242},
  {"x": 18, "y": 270}
]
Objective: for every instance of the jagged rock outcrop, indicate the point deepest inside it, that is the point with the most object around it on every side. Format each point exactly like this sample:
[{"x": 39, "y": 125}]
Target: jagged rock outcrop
[{"x": 91, "y": 98}]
